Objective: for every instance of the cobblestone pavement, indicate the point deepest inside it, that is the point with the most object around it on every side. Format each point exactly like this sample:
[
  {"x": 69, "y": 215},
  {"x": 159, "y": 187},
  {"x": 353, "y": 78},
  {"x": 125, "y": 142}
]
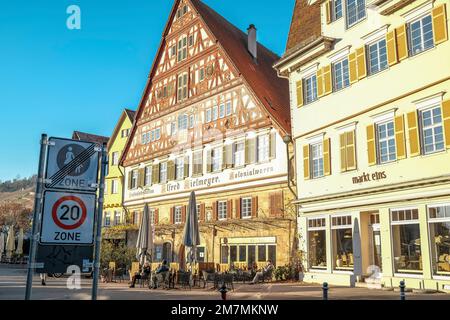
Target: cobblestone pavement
[{"x": 12, "y": 287}]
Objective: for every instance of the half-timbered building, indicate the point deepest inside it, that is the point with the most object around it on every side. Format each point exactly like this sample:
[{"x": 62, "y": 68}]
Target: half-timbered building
[{"x": 214, "y": 118}]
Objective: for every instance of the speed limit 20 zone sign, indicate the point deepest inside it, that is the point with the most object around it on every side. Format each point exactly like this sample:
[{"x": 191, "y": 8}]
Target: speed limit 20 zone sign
[{"x": 68, "y": 218}]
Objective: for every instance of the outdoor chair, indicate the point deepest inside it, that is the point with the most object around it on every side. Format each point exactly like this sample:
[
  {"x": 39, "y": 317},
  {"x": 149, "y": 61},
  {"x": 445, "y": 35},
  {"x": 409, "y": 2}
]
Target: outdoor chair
[
  {"x": 119, "y": 274},
  {"x": 162, "y": 280},
  {"x": 228, "y": 280},
  {"x": 144, "y": 281},
  {"x": 267, "y": 276},
  {"x": 208, "y": 277},
  {"x": 184, "y": 279}
]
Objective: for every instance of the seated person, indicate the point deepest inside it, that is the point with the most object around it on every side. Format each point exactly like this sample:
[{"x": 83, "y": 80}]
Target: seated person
[
  {"x": 266, "y": 271},
  {"x": 146, "y": 270},
  {"x": 162, "y": 269}
]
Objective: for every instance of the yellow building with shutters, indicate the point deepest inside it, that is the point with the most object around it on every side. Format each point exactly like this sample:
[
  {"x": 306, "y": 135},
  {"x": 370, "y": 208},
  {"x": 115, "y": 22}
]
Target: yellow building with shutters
[
  {"x": 113, "y": 211},
  {"x": 370, "y": 113}
]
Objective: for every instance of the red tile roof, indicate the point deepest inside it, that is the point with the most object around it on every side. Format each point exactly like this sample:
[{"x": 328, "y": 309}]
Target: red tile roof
[
  {"x": 272, "y": 91},
  {"x": 83, "y": 136},
  {"x": 305, "y": 25}
]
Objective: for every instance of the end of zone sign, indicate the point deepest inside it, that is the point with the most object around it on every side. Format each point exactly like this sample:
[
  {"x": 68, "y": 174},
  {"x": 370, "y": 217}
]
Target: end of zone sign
[{"x": 68, "y": 218}]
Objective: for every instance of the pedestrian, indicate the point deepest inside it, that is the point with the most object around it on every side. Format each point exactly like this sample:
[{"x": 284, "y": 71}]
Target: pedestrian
[
  {"x": 145, "y": 274},
  {"x": 268, "y": 269},
  {"x": 43, "y": 277}
]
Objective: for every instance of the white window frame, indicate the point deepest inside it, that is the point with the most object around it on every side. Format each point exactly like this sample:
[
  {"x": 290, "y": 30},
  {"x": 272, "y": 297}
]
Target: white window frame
[
  {"x": 216, "y": 159},
  {"x": 117, "y": 218},
  {"x": 229, "y": 108},
  {"x": 310, "y": 85},
  {"x": 342, "y": 75},
  {"x": 358, "y": 19},
  {"x": 134, "y": 179},
  {"x": 378, "y": 56},
  {"x": 208, "y": 115},
  {"x": 191, "y": 121},
  {"x": 114, "y": 186},
  {"x": 183, "y": 122},
  {"x": 432, "y": 127},
  {"x": 163, "y": 172},
  {"x": 182, "y": 92},
  {"x": 115, "y": 158},
  {"x": 246, "y": 208},
  {"x": 422, "y": 39},
  {"x": 179, "y": 168},
  {"x": 148, "y": 175},
  {"x": 107, "y": 220},
  {"x": 178, "y": 215},
  {"x": 387, "y": 139},
  {"x": 215, "y": 113},
  {"x": 263, "y": 148},
  {"x": 182, "y": 46},
  {"x": 222, "y": 111},
  {"x": 320, "y": 171},
  {"x": 239, "y": 155},
  {"x": 222, "y": 207}
]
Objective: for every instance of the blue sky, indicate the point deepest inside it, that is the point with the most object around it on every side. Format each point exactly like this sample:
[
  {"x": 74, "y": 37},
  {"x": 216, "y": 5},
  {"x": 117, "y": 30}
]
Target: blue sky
[{"x": 56, "y": 80}]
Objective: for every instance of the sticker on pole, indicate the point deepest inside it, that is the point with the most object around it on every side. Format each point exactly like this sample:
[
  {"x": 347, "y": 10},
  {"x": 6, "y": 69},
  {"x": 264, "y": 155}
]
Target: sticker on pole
[
  {"x": 68, "y": 218},
  {"x": 72, "y": 165}
]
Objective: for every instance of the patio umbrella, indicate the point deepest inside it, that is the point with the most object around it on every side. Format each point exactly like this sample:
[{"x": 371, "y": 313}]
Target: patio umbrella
[
  {"x": 19, "y": 249},
  {"x": 191, "y": 235},
  {"x": 10, "y": 242},
  {"x": 2, "y": 243},
  {"x": 144, "y": 243}
]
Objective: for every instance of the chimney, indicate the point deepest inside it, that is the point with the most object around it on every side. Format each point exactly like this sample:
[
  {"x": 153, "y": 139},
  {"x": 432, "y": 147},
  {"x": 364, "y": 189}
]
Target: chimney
[{"x": 252, "y": 45}]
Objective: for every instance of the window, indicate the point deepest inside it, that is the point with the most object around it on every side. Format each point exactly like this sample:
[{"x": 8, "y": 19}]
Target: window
[
  {"x": 377, "y": 56},
  {"x": 191, "y": 121},
  {"x": 421, "y": 35},
  {"x": 178, "y": 218},
  {"x": 179, "y": 168},
  {"x": 229, "y": 108},
  {"x": 125, "y": 133},
  {"x": 215, "y": 113},
  {"x": 342, "y": 239},
  {"x": 182, "y": 122},
  {"x": 134, "y": 179},
  {"x": 163, "y": 172},
  {"x": 406, "y": 241},
  {"x": 182, "y": 87},
  {"x": 136, "y": 218},
  {"x": 233, "y": 254},
  {"x": 148, "y": 176},
  {"x": 242, "y": 253},
  {"x": 386, "y": 148},
  {"x": 239, "y": 154},
  {"x": 340, "y": 74},
  {"x": 317, "y": 160},
  {"x": 246, "y": 207},
  {"x": 208, "y": 115},
  {"x": 182, "y": 49},
  {"x": 336, "y": 10},
  {"x": 173, "y": 128},
  {"x": 222, "y": 111},
  {"x": 197, "y": 162},
  {"x": 191, "y": 40},
  {"x": 117, "y": 217},
  {"x": 157, "y": 134},
  {"x": 114, "y": 187},
  {"x": 439, "y": 226},
  {"x": 262, "y": 253},
  {"x": 317, "y": 253},
  {"x": 216, "y": 159},
  {"x": 310, "y": 84},
  {"x": 222, "y": 210},
  {"x": 145, "y": 138},
  {"x": 224, "y": 253},
  {"x": 115, "y": 158},
  {"x": 356, "y": 11},
  {"x": 173, "y": 51},
  {"x": 263, "y": 148},
  {"x": 107, "y": 221},
  {"x": 432, "y": 130},
  {"x": 201, "y": 74}
]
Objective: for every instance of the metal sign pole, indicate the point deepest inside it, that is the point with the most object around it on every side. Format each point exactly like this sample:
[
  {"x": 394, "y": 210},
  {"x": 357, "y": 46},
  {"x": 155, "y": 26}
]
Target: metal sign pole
[
  {"x": 98, "y": 233},
  {"x": 36, "y": 216}
]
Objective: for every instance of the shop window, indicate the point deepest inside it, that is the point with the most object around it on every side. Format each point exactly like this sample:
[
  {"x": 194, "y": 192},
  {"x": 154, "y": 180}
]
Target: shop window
[
  {"x": 421, "y": 35},
  {"x": 432, "y": 130},
  {"x": 317, "y": 246},
  {"x": 272, "y": 252},
  {"x": 242, "y": 253},
  {"x": 233, "y": 254},
  {"x": 439, "y": 226},
  {"x": 262, "y": 253},
  {"x": 251, "y": 255},
  {"x": 406, "y": 241},
  {"x": 342, "y": 240}
]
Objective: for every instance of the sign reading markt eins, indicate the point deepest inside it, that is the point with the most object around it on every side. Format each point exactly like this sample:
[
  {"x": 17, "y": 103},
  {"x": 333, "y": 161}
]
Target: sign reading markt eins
[{"x": 367, "y": 177}]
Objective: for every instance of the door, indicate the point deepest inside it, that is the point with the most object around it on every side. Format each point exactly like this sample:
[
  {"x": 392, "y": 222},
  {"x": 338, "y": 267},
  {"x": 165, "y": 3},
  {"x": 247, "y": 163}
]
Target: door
[{"x": 376, "y": 240}]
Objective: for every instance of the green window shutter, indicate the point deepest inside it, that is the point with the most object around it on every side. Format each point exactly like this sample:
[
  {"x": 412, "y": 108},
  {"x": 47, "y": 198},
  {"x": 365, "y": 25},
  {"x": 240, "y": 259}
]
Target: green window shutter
[
  {"x": 186, "y": 166},
  {"x": 208, "y": 161},
  {"x": 170, "y": 170},
  {"x": 273, "y": 145},
  {"x": 155, "y": 173}
]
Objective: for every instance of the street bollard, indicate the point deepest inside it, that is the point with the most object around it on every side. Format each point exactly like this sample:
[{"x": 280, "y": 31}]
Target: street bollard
[
  {"x": 402, "y": 290},
  {"x": 325, "y": 291},
  {"x": 223, "y": 291}
]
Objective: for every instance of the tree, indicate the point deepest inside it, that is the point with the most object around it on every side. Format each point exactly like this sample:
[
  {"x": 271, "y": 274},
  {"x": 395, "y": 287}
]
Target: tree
[{"x": 13, "y": 213}]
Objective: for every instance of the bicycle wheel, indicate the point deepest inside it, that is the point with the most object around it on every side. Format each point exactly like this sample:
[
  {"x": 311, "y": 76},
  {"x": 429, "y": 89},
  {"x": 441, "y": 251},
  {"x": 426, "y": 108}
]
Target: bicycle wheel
[{"x": 58, "y": 275}]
